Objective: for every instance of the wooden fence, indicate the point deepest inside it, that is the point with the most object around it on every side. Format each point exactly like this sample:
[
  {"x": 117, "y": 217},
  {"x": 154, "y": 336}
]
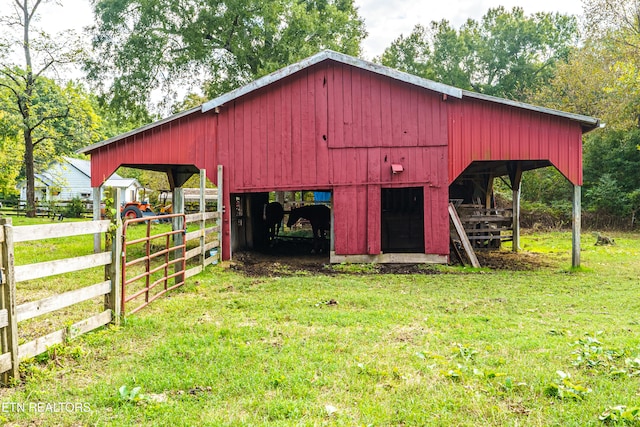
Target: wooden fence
[
  {"x": 11, "y": 352},
  {"x": 12, "y": 314}
]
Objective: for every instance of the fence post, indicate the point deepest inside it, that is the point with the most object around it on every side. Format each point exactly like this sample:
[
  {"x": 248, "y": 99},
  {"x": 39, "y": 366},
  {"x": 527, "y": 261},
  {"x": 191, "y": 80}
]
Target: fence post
[
  {"x": 203, "y": 210},
  {"x": 113, "y": 300},
  {"x": 178, "y": 224},
  {"x": 220, "y": 209},
  {"x": 10, "y": 336},
  {"x": 96, "y": 217}
]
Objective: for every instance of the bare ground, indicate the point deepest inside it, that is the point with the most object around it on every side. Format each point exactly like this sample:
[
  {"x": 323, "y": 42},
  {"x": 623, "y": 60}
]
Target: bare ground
[{"x": 299, "y": 261}]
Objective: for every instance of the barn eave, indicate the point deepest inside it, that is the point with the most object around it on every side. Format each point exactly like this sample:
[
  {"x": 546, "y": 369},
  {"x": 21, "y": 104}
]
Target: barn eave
[
  {"x": 90, "y": 148},
  {"x": 586, "y": 122}
]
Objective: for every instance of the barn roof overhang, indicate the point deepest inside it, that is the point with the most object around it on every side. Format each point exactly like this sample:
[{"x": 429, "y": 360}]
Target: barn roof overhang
[
  {"x": 586, "y": 122},
  {"x": 90, "y": 148}
]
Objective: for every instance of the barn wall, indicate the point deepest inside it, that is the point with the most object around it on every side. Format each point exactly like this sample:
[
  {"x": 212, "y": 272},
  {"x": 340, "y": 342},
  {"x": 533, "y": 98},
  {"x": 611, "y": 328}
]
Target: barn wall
[
  {"x": 189, "y": 140},
  {"x": 482, "y": 130},
  {"x": 333, "y": 126}
]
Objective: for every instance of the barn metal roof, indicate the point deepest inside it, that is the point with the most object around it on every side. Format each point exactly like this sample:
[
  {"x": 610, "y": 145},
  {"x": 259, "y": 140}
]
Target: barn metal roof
[
  {"x": 337, "y": 57},
  {"x": 588, "y": 123}
]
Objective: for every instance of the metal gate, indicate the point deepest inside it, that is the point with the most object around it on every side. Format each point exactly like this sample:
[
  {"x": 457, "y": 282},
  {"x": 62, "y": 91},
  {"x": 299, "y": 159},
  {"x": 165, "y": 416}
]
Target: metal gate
[{"x": 153, "y": 255}]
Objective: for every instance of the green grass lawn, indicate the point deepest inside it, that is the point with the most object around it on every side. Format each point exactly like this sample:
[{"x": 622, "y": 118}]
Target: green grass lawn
[{"x": 463, "y": 348}]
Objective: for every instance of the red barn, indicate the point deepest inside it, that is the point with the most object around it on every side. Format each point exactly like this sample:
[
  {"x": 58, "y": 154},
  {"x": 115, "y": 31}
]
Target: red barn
[{"x": 390, "y": 147}]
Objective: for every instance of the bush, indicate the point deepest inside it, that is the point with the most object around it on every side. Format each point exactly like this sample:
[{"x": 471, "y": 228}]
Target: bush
[{"x": 75, "y": 208}]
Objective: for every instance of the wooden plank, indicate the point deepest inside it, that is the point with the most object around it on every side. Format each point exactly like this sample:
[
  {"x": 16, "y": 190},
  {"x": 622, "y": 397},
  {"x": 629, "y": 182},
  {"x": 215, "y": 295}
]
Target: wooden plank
[
  {"x": 193, "y": 235},
  {"x": 576, "y": 226},
  {"x": 1, "y": 234},
  {"x": 47, "y": 305},
  {"x": 466, "y": 244},
  {"x": 220, "y": 208},
  {"x": 203, "y": 208},
  {"x": 88, "y": 325},
  {"x": 178, "y": 224},
  {"x": 26, "y": 233},
  {"x": 193, "y": 252},
  {"x": 198, "y": 216},
  {"x": 210, "y": 260},
  {"x": 50, "y": 268},
  {"x": 211, "y": 245},
  {"x": 4, "y": 318},
  {"x": 40, "y": 345},
  {"x": 193, "y": 217},
  {"x": 96, "y": 217},
  {"x": 5, "y": 362},
  {"x": 389, "y": 258},
  {"x": 209, "y": 230},
  {"x": 193, "y": 271},
  {"x": 113, "y": 273},
  {"x": 9, "y": 335}
]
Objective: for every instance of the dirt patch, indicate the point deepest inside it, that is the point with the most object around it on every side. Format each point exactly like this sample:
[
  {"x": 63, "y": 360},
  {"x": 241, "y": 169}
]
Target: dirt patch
[
  {"x": 286, "y": 263},
  {"x": 520, "y": 261}
]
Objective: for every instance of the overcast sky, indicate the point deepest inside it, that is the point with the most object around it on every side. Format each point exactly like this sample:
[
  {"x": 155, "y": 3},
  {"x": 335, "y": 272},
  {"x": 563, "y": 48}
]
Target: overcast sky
[{"x": 385, "y": 19}]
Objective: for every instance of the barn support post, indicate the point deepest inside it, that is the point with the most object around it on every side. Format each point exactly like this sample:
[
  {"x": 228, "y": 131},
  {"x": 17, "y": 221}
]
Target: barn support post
[
  {"x": 220, "y": 209},
  {"x": 8, "y": 302},
  {"x": 96, "y": 217},
  {"x": 488, "y": 199},
  {"x": 113, "y": 300},
  {"x": 203, "y": 209},
  {"x": 515, "y": 175},
  {"x": 178, "y": 224},
  {"x": 576, "y": 227}
]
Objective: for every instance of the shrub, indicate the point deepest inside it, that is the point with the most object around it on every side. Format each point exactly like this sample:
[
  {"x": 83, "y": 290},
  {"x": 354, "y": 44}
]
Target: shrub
[{"x": 75, "y": 208}]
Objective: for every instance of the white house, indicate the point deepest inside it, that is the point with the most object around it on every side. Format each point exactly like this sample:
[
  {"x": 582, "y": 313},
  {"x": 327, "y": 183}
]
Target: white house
[{"x": 70, "y": 178}]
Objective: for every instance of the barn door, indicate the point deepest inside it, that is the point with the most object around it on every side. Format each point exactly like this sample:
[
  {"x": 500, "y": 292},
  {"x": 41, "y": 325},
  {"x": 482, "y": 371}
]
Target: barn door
[{"x": 402, "y": 220}]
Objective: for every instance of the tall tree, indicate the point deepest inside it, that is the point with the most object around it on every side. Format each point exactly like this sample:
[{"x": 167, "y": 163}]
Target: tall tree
[
  {"x": 24, "y": 81},
  {"x": 506, "y": 54},
  {"x": 216, "y": 45},
  {"x": 615, "y": 25}
]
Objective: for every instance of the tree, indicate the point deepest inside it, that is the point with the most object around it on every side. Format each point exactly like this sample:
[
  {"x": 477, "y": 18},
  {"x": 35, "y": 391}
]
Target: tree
[
  {"x": 214, "y": 46},
  {"x": 10, "y": 154},
  {"x": 45, "y": 114},
  {"x": 615, "y": 25},
  {"x": 506, "y": 54}
]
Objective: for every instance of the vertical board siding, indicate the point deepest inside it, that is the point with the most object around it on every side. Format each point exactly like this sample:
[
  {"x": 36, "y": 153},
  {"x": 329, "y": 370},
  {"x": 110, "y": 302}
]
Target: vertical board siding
[
  {"x": 188, "y": 140},
  {"x": 481, "y": 130}
]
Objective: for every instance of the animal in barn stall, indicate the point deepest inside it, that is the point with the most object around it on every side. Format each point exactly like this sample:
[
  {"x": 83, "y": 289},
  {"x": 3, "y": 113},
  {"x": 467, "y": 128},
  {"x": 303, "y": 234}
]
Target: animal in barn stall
[
  {"x": 320, "y": 218},
  {"x": 273, "y": 214}
]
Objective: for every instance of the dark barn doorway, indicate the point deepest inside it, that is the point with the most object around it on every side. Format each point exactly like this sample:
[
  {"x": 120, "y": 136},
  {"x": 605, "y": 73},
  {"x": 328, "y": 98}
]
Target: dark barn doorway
[{"x": 403, "y": 220}]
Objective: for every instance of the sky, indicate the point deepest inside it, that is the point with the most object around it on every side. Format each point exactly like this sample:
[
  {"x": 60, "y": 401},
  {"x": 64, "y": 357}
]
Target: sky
[{"x": 385, "y": 20}]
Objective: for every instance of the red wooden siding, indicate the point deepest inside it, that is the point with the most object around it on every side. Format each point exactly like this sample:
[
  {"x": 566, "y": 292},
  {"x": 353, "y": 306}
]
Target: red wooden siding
[
  {"x": 275, "y": 138},
  {"x": 189, "y": 140},
  {"x": 482, "y": 130},
  {"x": 333, "y": 126}
]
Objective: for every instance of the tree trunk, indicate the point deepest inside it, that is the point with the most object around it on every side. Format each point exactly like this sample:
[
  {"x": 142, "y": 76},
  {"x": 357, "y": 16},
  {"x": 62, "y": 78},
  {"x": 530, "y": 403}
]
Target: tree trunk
[
  {"x": 26, "y": 110},
  {"x": 29, "y": 172}
]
